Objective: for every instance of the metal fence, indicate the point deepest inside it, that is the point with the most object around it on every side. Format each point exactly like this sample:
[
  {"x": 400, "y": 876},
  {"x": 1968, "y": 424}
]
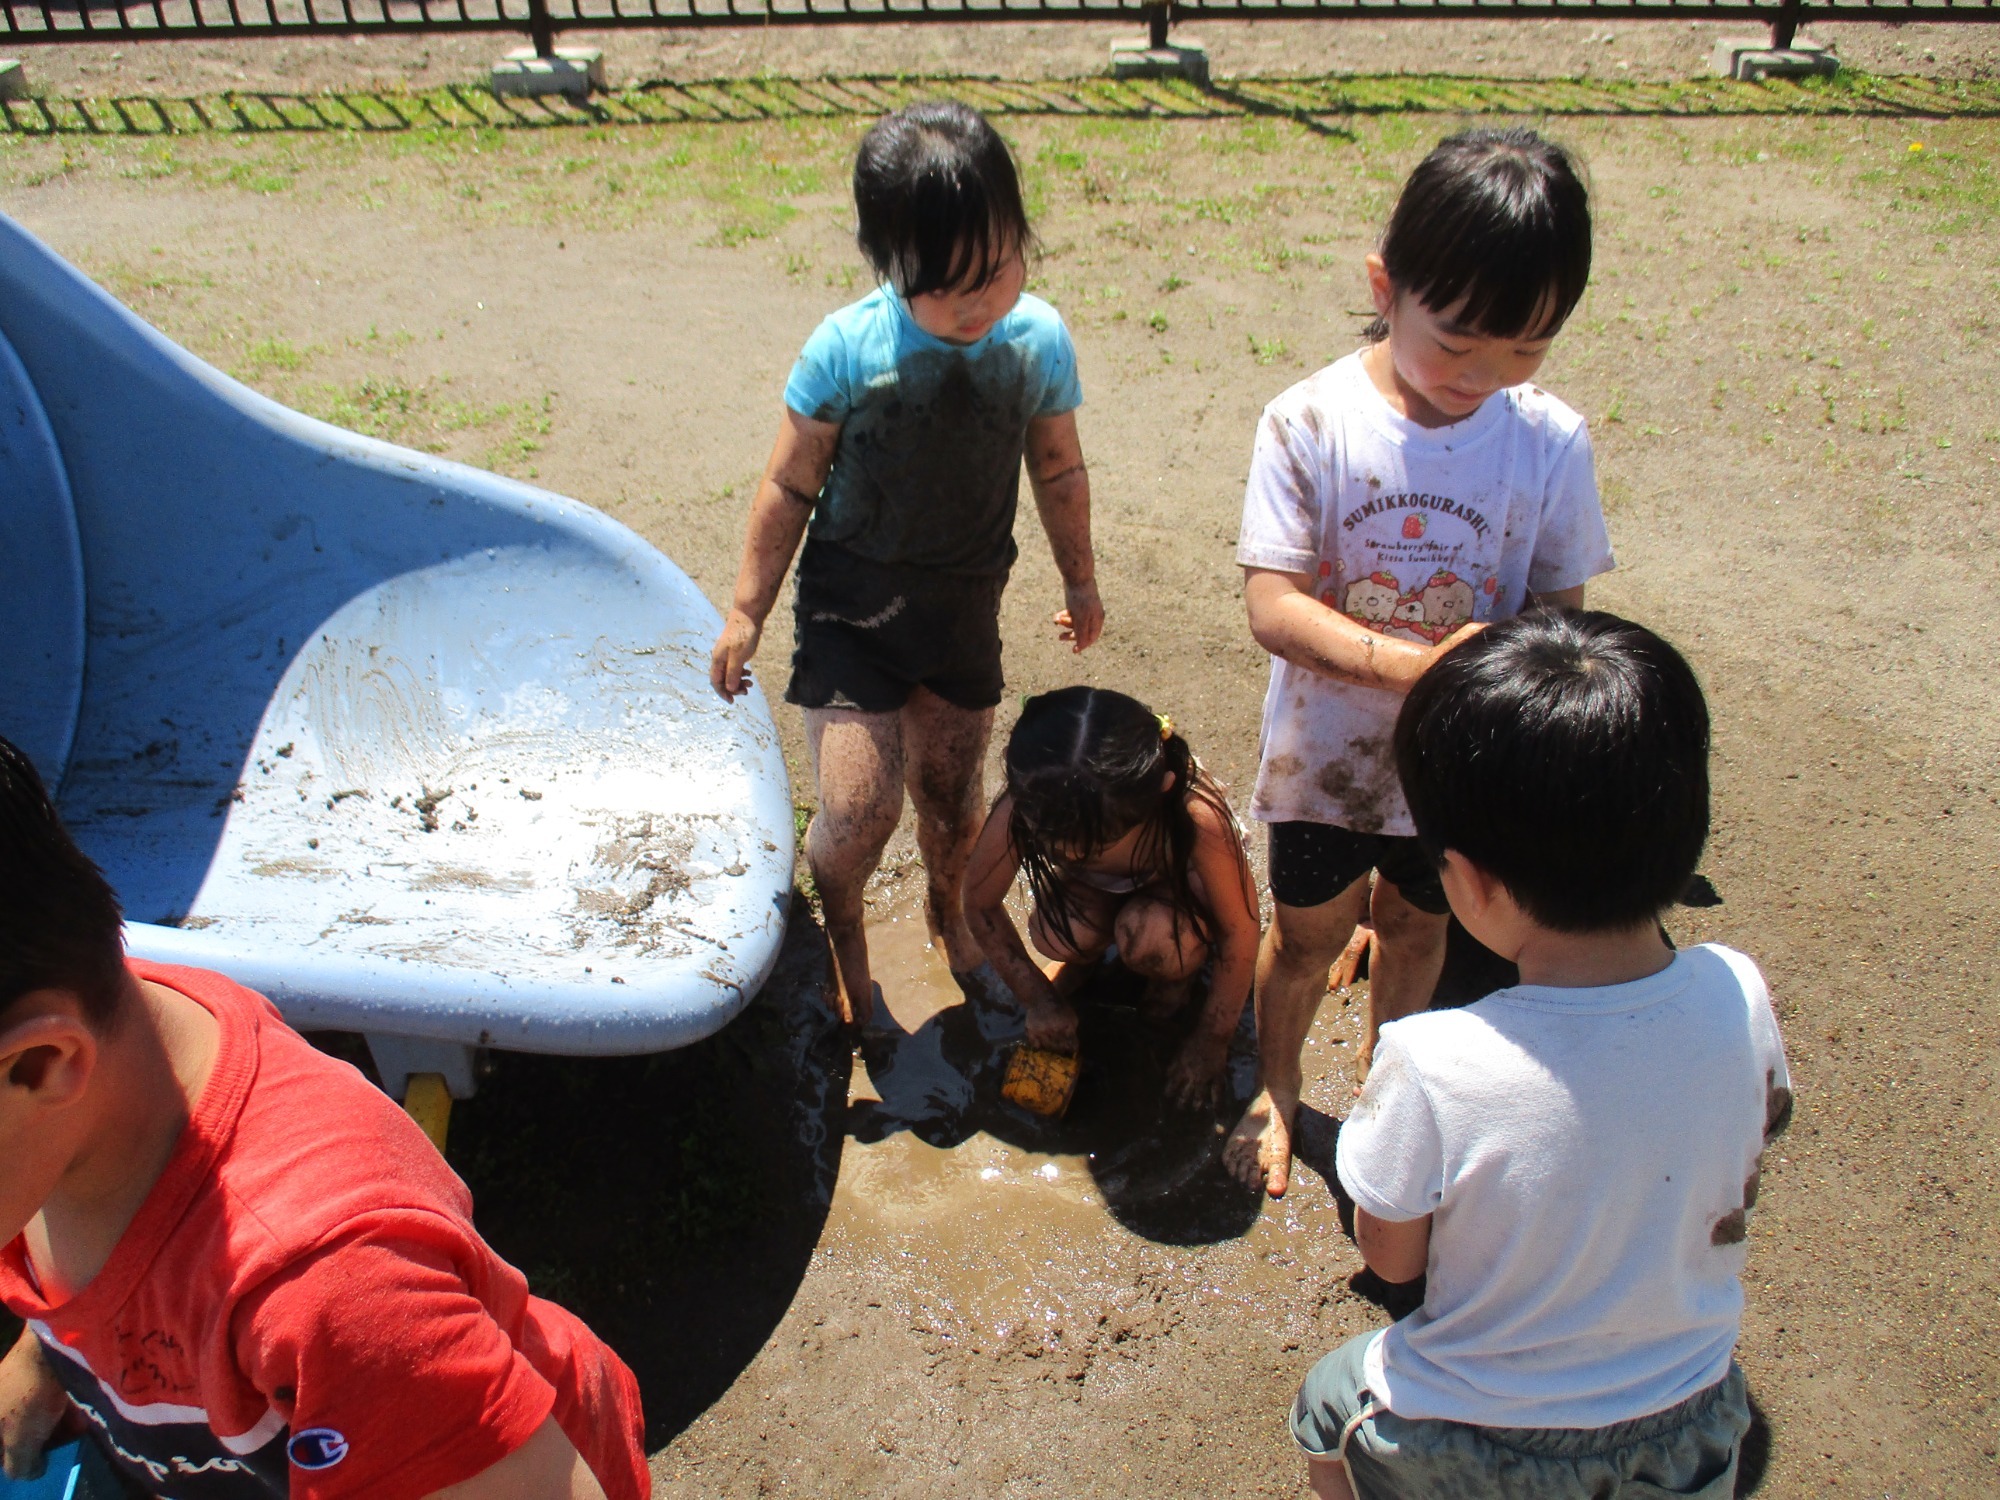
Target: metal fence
[{"x": 27, "y": 22}]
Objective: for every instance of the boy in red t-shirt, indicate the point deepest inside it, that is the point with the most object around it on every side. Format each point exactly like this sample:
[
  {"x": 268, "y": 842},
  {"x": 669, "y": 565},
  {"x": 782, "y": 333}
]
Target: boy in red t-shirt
[{"x": 243, "y": 1269}]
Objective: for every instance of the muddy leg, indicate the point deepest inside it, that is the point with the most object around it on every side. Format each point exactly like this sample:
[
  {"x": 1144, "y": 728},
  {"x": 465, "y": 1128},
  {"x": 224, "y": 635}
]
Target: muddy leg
[
  {"x": 858, "y": 761},
  {"x": 1404, "y": 969},
  {"x": 1298, "y": 947},
  {"x": 945, "y": 748}
]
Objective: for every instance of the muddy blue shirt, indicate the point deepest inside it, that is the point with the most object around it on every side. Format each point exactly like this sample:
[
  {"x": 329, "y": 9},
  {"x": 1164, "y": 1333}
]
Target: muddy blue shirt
[{"x": 927, "y": 472}]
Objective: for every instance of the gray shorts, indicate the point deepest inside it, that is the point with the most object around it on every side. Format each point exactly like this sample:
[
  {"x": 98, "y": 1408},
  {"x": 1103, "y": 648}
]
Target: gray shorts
[{"x": 1688, "y": 1450}]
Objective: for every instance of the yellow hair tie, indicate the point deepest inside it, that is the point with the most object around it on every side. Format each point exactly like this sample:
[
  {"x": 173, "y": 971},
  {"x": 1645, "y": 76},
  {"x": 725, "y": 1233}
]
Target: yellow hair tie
[{"x": 1166, "y": 728}]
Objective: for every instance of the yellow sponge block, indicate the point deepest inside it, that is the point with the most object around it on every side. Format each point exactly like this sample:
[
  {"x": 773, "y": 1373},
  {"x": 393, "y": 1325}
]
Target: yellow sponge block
[{"x": 1040, "y": 1081}]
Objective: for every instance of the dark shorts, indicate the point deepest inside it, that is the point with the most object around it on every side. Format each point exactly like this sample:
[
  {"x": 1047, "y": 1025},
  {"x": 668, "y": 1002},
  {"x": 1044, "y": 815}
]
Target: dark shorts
[
  {"x": 868, "y": 634},
  {"x": 1311, "y": 863},
  {"x": 1688, "y": 1451}
]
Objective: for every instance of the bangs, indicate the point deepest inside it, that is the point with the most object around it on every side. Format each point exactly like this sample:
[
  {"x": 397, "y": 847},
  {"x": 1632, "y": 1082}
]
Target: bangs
[
  {"x": 947, "y": 240},
  {"x": 937, "y": 200},
  {"x": 1493, "y": 228}
]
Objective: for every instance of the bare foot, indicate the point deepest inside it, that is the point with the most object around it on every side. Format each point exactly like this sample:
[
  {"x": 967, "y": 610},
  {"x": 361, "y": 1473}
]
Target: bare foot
[
  {"x": 853, "y": 995},
  {"x": 1347, "y": 968},
  {"x": 1258, "y": 1152}
]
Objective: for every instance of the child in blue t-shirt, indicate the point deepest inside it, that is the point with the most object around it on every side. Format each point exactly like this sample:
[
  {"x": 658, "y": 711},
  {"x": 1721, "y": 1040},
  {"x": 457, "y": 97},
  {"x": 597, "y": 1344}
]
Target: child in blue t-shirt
[{"x": 898, "y": 461}]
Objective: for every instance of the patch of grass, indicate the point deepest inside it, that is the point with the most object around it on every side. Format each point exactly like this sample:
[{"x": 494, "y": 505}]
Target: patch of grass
[
  {"x": 426, "y": 417},
  {"x": 273, "y": 354},
  {"x": 1267, "y": 351}
]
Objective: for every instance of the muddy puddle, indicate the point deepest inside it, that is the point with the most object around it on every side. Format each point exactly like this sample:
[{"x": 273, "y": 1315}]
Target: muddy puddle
[{"x": 999, "y": 1218}]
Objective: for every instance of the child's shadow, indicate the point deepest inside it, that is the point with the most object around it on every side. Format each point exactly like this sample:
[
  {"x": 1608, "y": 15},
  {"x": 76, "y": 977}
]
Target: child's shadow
[{"x": 1159, "y": 1167}]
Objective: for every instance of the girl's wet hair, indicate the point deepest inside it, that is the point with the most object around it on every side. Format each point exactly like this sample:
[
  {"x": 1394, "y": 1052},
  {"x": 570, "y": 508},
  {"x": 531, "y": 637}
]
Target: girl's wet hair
[
  {"x": 937, "y": 198},
  {"x": 1500, "y": 218},
  {"x": 1085, "y": 766}
]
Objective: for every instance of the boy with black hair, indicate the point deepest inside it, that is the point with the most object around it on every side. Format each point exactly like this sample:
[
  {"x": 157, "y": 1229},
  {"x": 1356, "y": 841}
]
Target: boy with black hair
[
  {"x": 1571, "y": 1160},
  {"x": 244, "y": 1270}
]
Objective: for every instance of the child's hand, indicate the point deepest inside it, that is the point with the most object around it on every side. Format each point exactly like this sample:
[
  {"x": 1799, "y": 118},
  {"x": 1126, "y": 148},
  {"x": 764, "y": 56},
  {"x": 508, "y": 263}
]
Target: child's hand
[
  {"x": 729, "y": 662},
  {"x": 1456, "y": 639},
  {"x": 31, "y": 1404},
  {"x": 1051, "y": 1025},
  {"x": 1081, "y": 622},
  {"x": 1195, "y": 1077}
]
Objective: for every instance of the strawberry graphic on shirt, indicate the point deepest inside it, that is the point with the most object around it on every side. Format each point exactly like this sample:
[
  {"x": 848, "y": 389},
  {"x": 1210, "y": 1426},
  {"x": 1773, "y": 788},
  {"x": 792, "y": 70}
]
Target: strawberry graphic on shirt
[{"x": 1414, "y": 525}]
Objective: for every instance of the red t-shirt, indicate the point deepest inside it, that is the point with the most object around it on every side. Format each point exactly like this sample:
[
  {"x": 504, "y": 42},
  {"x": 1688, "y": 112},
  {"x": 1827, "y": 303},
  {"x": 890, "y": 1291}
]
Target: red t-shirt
[{"x": 302, "y": 1307}]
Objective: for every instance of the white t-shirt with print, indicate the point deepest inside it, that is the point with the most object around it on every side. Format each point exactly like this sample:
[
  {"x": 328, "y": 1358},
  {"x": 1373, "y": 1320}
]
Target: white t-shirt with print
[
  {"x": 1588, "y": 1157},
  {"x": 1413, "y": 531}
]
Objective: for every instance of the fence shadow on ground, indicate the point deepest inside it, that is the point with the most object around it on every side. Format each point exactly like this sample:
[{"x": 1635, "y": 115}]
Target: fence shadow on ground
[{"x": 1317, "y": 104}]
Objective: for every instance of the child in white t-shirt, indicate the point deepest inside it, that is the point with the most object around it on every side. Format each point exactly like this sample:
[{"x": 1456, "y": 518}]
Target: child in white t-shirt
[
  {"x": 1398, "y": 500},
  {"x": 1569, "y": 1161}
]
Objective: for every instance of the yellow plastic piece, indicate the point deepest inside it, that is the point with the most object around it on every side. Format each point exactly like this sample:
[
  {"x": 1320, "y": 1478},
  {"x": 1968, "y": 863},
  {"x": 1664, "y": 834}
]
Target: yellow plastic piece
[
  {"x": 429, "y": 1104},
  {"x": 1040, "y": 1081}
]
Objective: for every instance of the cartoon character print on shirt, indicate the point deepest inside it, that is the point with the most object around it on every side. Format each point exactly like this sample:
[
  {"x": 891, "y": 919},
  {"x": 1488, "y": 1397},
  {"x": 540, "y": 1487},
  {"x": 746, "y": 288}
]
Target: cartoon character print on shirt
[
  {"x": 1372, "y": 600},
  {"x": 1447, "y": 601},
  {"x": 1427, "y": 561}
]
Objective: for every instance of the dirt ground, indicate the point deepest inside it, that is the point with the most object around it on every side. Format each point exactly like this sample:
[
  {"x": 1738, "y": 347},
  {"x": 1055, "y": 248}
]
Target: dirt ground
[{"x": 857, "y": 1275}]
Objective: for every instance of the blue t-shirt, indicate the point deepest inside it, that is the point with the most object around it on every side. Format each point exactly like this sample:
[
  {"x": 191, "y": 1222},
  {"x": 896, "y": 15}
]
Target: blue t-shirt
[{"x": 927, "y": 472}]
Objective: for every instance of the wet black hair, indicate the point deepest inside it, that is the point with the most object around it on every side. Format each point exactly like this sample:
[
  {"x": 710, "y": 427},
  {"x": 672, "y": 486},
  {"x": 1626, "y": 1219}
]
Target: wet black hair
[
  {"x": 1085, "y": 766},
  {"x": 937, "y": 199},
  {"x": 1500, "y": 218},
  {"x": 1565, "y": 752},
  {"x": 60, "y": 927}
]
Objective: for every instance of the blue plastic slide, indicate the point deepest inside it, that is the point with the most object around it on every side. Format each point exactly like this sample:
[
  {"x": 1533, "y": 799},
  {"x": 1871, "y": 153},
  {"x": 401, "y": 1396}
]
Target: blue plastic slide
[
  {"x": 73, "y": 1471},
  {"x": 415, "y": 750}
]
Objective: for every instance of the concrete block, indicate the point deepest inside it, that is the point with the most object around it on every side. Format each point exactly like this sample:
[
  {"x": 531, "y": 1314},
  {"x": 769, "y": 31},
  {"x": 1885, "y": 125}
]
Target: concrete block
[
  {"x": 573, "y": 70},
  {"x": 1139, "y": 58},
  {"x": 13, "y": 79},
  {"x": 400, "y": 1058},
  {"x": 1753, "y": 58}
]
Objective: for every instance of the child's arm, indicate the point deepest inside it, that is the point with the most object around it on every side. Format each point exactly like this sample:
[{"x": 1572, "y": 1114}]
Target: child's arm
[
  {"x": 989, "y": 876},
  {"x": 32, "y": 1402},
  {"x": 1397, "y": 1251},
  {"x": 1061, "y": 483},
  {"x": 778, "y": 515},
  {"x": 1289, "y": 622},
  {"x": 1225, "y": 881},
  {"x": 546, "y": 1467}
]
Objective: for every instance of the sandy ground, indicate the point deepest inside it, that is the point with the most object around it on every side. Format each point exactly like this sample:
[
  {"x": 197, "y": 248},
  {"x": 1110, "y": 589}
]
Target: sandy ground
[{"x": 1785, "y": 358}]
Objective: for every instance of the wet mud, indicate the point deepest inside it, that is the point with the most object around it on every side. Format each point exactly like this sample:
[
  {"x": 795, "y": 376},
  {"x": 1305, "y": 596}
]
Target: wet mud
[{"x": 931, "y": 1132}]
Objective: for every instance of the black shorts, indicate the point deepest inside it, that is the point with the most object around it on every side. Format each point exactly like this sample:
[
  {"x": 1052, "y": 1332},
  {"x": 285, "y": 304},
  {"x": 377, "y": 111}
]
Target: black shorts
[
  {"x": 868, "y": 634},
  {"x": 1311, "y": 863}
]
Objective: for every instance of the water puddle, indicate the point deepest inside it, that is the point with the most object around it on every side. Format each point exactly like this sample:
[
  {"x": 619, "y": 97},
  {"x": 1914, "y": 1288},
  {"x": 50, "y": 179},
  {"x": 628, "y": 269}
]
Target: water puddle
[{"x": 1005, "y": 1215}]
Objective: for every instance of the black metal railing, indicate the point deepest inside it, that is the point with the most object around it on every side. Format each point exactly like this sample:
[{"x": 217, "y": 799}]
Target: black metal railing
[{"x": 28, "y": 22}]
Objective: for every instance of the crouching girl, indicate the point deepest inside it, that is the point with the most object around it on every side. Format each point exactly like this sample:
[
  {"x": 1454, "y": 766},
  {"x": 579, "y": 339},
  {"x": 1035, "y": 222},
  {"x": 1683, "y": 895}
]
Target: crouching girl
[{"x": 1128, "y": 843}]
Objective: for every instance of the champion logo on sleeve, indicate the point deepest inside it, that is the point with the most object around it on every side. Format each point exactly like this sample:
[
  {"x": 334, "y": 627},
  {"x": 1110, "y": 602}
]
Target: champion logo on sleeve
[{"x": 317, "y": 1448}]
